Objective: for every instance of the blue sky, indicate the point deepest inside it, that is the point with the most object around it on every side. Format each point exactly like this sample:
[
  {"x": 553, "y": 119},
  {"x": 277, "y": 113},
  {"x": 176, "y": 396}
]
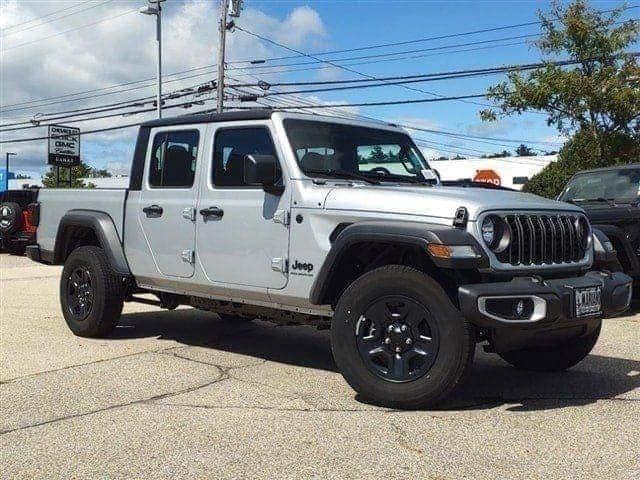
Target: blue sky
[{"x": 121, "y": 50}]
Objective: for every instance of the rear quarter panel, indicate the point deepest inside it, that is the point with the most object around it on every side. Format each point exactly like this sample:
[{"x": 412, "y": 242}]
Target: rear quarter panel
[{"x": 55, "y": 203}]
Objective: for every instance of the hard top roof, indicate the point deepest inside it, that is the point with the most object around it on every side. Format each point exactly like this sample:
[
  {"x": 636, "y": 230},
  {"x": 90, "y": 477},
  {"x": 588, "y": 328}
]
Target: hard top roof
[{"x": 232, "y": 116}]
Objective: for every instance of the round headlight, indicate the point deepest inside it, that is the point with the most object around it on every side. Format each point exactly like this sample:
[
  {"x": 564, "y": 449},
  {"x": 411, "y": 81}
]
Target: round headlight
[
  {"x": 496, "y": 233},
  {"x": 489, "y": 231}
]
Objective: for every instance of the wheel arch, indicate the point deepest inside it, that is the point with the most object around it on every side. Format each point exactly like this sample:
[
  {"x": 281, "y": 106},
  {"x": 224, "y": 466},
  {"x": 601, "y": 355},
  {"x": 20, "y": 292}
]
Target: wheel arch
[
  {"x": 624, "y": 249},
  {"x": 402, "y": 243},
  {"x": 89, "y": 227}
]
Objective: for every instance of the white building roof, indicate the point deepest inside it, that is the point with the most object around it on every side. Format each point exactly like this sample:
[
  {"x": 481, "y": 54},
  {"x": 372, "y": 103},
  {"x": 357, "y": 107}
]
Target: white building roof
[{"x": 513, "y": 171}]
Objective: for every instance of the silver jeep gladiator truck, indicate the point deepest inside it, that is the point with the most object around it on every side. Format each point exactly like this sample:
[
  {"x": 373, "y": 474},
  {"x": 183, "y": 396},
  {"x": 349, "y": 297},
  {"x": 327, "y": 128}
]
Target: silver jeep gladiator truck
[{"x": 301, "y": 219}]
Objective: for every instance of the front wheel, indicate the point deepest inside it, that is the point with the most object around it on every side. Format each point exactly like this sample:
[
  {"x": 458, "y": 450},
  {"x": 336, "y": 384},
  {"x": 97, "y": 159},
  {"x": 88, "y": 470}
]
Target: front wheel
[
  {"x": 555, "y": 358},
  {"x": 398, "y": 340},
  {"x": 90, "y": 293}
]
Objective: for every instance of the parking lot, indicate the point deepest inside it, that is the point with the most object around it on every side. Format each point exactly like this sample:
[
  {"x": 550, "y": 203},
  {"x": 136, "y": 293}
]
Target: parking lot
[{"x": 184, "y": 395}]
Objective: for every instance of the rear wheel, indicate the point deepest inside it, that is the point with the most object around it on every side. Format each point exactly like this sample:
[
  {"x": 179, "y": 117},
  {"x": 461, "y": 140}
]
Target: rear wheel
[
  {"x": 398, "y": 340},
  {"x": 553, "y": 359},
  {"x": 90, "y": 293}
]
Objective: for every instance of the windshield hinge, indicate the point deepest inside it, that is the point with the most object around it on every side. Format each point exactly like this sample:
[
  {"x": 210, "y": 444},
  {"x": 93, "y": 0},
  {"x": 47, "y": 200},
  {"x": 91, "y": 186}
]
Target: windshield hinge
[{"x": 282, "y": 216}]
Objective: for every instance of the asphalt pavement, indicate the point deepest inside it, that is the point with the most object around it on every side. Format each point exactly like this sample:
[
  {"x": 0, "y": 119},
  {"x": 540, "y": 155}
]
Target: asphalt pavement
[{"x": 182, "y": 394}]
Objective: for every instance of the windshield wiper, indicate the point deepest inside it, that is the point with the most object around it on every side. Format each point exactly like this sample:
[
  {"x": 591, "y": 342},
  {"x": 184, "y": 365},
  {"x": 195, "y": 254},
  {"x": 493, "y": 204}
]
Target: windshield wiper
[
  {"x": 400, "y": 178},
  {"x": 330, "y": 172},
  {"x": 596, "y": 199}
]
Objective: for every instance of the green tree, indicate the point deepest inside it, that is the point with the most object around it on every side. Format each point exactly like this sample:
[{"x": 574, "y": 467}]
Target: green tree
[
  {"x": 595, "y": 102},
  {"x": 377, "y": 155},
  {"x": 102, "y": 173},
  {"x": 81, "y": 171},
  {"x": 502, "y": 154},
  {"x": 524, "y": 151}
]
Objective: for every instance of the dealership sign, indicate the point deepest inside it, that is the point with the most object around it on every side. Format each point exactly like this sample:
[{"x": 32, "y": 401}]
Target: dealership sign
[
  {"x": 487, "y": 176},
  {"x": 64, "y": 146}
]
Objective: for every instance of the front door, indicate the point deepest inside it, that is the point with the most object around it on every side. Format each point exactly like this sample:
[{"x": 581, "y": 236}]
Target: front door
[
  {"x": 168, "y": 197},
  {"x": 241, "y": 236}
]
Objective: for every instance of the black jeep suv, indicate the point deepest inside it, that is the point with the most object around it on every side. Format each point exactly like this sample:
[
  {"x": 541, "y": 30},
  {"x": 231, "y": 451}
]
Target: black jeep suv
[
  {"x": 610, "y": 197},
  {"x": 17, "y": 220}
]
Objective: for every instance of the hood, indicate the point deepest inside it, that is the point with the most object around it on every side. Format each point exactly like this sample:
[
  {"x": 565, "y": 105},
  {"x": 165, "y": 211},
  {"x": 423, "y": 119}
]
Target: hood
[
  {"x": 437, "y": 201},
  {"x": 611, "y": 214}
]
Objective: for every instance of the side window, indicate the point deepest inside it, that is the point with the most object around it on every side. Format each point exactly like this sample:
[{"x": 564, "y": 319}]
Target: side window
[
  {"x": 173, "y": 159},
  {"x": 231, "y": 145}
]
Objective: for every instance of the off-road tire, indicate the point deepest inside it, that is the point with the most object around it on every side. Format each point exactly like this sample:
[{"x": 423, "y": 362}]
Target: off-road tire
[
  {"x": 10, "y": 218},
  {"x": 16, "y": 250},
  {"x": 556, "y": 358},
  {"x": 456, "y": 342},
  {"x": 107, "y": 289}
]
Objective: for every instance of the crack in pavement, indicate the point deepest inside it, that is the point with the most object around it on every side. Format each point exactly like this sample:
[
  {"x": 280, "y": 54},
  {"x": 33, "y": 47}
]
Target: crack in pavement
[
  {"x": 222, "y": 370},
  {"x": 224, "y": 373},
  {"x": 277, "y": 409},
  {"x": 114, "y": 407},
  {"x": 20, "y": 279},
  {"x": 93, "y": 362}
]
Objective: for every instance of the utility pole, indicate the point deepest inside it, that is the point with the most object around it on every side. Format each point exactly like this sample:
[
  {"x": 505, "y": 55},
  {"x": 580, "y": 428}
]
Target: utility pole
[
  {"x": 236, "y": 7},
  {"x": 224, "y": 6},
  {"x": 6, "y": 173},
  {"x": 156, "y": 9}
]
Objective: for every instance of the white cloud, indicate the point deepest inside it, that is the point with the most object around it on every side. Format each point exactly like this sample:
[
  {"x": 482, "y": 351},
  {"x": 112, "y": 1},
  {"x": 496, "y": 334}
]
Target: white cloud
[{"x": 121, "y": 50}]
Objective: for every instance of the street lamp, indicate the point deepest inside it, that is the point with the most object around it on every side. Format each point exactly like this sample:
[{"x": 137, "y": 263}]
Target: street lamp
[
  {"x": 6, "y": 173},
  {"x": 155, "y": 8}
]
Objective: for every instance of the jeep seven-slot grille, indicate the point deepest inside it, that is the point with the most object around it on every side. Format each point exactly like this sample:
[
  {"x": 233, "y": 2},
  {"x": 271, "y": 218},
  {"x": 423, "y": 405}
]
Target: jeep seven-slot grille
[{"x": 542, "y": 239}]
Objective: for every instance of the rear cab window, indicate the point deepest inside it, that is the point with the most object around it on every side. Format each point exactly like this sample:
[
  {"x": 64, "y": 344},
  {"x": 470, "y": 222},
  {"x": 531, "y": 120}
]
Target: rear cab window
[{"x": 173, "y": 159}]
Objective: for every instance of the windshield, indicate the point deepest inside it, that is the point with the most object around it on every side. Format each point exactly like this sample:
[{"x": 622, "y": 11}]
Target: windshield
[
  {"x": 349, "y": 151},
  {"x": 623, "y": 184}
]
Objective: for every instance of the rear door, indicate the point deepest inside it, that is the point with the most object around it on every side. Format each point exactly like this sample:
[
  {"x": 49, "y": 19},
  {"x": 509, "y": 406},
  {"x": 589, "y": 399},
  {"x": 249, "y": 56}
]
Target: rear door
[{"x": 168, "y": 197}]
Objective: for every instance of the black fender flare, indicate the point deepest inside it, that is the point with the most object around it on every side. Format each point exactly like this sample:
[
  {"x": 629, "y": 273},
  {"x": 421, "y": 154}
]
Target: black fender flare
[
  {"x": 615, "y": 232},
  {"x": 102, "y": 225},
  {"x": 399, "y": 233}
]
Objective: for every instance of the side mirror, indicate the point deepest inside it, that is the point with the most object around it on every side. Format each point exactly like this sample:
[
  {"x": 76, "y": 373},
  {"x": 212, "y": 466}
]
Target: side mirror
[{"x": 264, "y": 171}]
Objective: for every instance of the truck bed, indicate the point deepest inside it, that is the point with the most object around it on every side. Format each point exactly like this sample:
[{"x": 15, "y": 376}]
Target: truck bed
[{"x": 55, "y": 203}]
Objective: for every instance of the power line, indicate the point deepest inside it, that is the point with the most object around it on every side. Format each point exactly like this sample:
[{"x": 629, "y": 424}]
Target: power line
[
  {"x": 31, "y": 102},
  {"x": 388, "y": 54},
  {"x": 425, "y": 39},
  {"x": 342, "y": 67},
  {"x": 202, "y": 88},
  {"x": 19, "y": 45},
  {"x": 48, "y": 14},
  {"x": 31, "y": 27}
]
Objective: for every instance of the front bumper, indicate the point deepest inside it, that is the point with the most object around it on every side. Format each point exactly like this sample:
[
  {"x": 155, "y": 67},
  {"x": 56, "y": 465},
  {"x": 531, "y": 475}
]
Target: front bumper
[{"x": 552, "y": 301}]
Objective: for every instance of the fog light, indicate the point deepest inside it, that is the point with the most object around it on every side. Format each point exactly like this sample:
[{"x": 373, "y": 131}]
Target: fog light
[{"x": 519, "y": 308}]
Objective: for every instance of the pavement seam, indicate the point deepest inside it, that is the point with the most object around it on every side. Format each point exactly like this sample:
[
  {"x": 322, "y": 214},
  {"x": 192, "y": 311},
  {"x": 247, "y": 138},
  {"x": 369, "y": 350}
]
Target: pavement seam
[
  {"x": 154, "y": 400},
  {"x": 275, "y": 409},
  {"x": 77, "y": 365},
  {"x": 149, "y": 400}
]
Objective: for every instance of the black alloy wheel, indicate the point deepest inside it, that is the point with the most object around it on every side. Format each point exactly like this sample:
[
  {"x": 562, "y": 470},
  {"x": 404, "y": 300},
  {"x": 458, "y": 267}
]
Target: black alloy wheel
[
  {"x": 80, "y": 293},
  {"x": 397, "y": 338}
]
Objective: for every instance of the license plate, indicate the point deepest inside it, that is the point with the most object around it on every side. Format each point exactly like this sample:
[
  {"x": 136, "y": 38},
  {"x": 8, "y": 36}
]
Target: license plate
[{"x": 587, "y": 301}]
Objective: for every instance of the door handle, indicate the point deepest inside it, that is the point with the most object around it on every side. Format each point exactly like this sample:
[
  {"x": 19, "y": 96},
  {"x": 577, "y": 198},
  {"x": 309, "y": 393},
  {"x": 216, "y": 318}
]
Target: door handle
[
  {"x": 212, "y": 212},
  {"x": 153, "y": 211}
]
